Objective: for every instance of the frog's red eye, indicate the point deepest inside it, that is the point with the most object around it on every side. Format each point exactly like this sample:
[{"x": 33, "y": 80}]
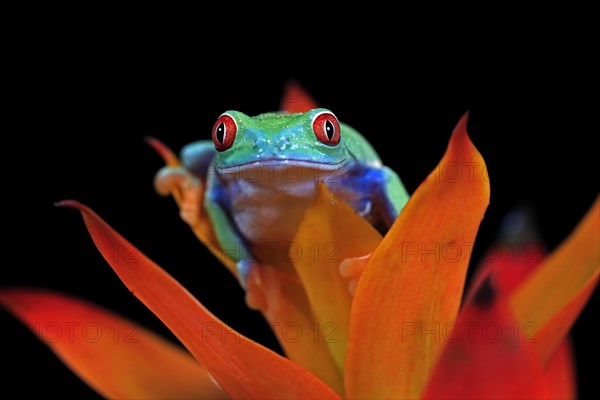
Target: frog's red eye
[
  {"x": 327, "y": 129},
  {"x": 223, "y": 133}
]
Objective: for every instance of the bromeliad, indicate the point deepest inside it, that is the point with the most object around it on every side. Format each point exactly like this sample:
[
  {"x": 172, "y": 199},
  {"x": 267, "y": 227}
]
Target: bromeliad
[{"x": 270, "y": 187}]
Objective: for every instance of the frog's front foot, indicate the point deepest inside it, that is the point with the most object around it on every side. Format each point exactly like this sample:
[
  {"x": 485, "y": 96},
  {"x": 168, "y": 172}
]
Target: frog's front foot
[
  {"x": 263, "y": 285},
  {"x": 179, "y": 180},
  {"x": 352, "y": 268},
  {"x": 169, "y": 179}
]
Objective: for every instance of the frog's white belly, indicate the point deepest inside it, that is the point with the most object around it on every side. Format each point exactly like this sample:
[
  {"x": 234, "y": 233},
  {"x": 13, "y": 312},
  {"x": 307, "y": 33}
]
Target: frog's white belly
[{"x": 267, "y": 207}]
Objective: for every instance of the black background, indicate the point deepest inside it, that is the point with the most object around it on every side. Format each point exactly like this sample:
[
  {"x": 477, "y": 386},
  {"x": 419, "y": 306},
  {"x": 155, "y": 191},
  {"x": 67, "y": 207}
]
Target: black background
[{"x": 89, "y": 103}]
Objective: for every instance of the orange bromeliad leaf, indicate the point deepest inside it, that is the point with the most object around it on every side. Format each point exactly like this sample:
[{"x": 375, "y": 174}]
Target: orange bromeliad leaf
[
  {"x": 413, "y": 282},
  {"x": 243, "y": 368},
  {"x": 277, "y": 292},
  {"x": 111, "y": 354},
  {"x": 296, "y": 99},
  {"x": 332, "y": 231},
  {"x": 564, "y": 281}
]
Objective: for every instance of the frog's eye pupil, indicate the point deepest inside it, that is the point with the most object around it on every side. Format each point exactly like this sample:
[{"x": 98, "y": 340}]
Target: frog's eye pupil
[
  {"x": 327, "y": 129},
  {"x": 224, "y": 132},
  {"x": 220, "y": 133}
]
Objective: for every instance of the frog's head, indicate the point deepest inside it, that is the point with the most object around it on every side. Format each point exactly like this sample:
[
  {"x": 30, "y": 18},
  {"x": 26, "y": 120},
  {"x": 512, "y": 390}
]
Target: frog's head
[{"x": 313, "y": 139}]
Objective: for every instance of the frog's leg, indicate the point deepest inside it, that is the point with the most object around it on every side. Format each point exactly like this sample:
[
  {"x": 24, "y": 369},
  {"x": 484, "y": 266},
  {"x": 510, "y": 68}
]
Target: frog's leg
[
  {"x": 229, "y": 240},
  {"x": 262, "y": 282},
  {"x": 391, "y": 196},
  {"x": 188, "y": 180},
  {"x": 265, "y": 287},
  {"x": 380, "y": 192},
  {"x": 197, "y": 157}
]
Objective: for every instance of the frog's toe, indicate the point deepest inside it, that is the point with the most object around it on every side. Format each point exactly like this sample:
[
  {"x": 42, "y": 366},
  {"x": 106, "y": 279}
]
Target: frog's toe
[
  {"x": 352, "y": 268},
  {"x": 244, "y": 267},
  {"x": 185, "y": 187},
  {"x": 167, "y": 179},
  {"x": 252, "y": 283},
  {"x": 263, "y": 285},
  {"x": 191, "y": 202}
]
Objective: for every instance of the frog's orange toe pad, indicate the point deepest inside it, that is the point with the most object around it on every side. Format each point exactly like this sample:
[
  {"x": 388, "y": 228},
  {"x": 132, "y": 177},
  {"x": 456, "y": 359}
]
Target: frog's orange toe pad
[{"x": 353, "y": 268}]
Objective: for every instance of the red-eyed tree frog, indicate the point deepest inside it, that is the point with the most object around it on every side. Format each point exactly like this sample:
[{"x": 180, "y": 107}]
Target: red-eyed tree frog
[{"x": 261, "y": 174}]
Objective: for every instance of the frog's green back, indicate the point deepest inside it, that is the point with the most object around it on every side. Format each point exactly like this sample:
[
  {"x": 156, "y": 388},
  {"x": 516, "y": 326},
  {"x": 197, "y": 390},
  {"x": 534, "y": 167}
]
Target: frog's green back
[{"x": 358, "y": 146}]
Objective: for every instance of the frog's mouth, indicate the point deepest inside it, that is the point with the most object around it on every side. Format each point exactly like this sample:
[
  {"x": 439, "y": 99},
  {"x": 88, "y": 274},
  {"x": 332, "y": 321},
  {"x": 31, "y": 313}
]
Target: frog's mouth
[{"x": 277, "y": 164}]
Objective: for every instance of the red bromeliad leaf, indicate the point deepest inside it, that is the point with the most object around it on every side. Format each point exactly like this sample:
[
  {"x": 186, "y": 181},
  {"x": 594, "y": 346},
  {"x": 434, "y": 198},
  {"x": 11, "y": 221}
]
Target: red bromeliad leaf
[
  {"x": 477, "y": 361},
  {"x": 508, "y": 266},
  {"x": 112, "y": 355},
  {"x": 243, "y": 368},
  {"x": 413, "y": 282},
  {"x": 296, "y": 99},
  {"x": 486, "y": 357},
  {"x": 560, "y": 380},
  {"x": 488, "y": 354},
  {"x": 553, "y": 296},
  {"x": 170, "y": 159}
]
